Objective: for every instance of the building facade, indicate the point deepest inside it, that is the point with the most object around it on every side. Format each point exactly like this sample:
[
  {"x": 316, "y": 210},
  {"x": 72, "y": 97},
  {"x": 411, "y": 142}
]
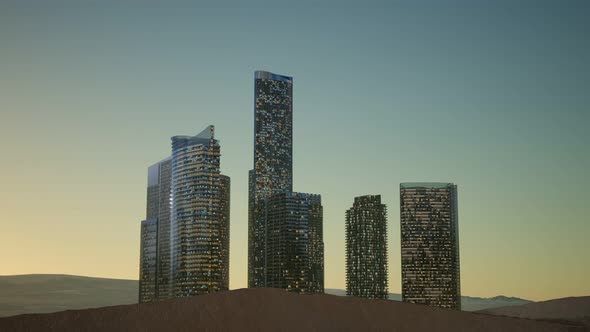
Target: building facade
[
  {"x": 224, "y": 201},
  {"x": 158, "y": 216},
  {"x": 185, "y": 237},
  {"x": 196, "y": 211},
  {"x": 366, "y": 248},
  {"x": 273, "y": 161},
  {"x": 148, "y": 260},
  {"x": 164, "y": 170},
  {"x": 430, "y": 244},
  {"x": 295, "y": 248}
]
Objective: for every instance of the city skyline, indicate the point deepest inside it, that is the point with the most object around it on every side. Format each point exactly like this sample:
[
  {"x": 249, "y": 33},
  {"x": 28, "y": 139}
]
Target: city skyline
[{"x": 404, "y": 94}]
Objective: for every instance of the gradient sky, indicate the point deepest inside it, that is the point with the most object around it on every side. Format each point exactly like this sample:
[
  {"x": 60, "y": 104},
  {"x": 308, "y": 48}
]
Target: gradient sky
[{"x": 491, "y": 95}]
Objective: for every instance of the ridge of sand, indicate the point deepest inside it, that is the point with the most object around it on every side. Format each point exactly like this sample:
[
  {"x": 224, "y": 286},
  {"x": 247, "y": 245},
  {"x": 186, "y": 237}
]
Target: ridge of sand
[{"x": 272, "y": 310}]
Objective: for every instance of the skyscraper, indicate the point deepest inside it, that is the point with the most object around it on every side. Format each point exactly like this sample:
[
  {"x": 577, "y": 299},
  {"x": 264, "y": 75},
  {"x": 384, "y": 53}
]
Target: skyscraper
[
  {"x": 295, "y": 247},
  {"x": 224, "y": 193},
  {"x": 273, "y": 161},
  {"x": 164, "y": 169},
  {"x": 196, "y": 215},
  {"x": 148, "y": 260},
  {"x": 155, "y": 233},
  {"x": 366, "y": 248},
  {"x": 185, "y": 237},
  {"x": 430, "y": 244}
]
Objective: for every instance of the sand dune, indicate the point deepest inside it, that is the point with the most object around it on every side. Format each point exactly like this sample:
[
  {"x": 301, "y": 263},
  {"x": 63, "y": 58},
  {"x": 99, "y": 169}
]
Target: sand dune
[
  {"x": 44, "y": 293},
  {"x": 272, "y": 310},
  {"x": 572, "y": 309}
]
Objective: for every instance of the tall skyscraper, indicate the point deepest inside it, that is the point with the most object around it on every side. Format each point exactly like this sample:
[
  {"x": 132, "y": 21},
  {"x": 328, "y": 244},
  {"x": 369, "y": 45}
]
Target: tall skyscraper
[
  {"x": 148, "y": 260},
  {"x": 224, "y": 192},
  {"x": 273, "y": 161},
  {"x": 196, "y": 232},
  {"x": 295, "y": 247},
  {"x": 185, "y": 237},
  {"x": 430, "y": 244},
  {"x": 164, "y": 170},
  {"x": 366, "y": 248},
  {"x": 155, "y": 241}
]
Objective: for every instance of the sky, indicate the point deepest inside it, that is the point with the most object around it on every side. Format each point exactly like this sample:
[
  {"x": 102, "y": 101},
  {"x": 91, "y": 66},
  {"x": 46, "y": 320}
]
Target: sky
[{"x": 490, "y": 95}]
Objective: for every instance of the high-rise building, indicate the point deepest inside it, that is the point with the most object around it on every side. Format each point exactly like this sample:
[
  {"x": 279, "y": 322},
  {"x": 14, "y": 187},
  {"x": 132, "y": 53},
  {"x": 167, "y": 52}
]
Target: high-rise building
[
  {"x": 366, "y": 248},
  {"x": 430, "y": 244},
  {"x": 295, "y": 249},
  {"x": 196, "y": 243},
  {"x": 185, "y": 237},
  {"x": 156, "y": 228},
  {"x": 148, "y": 260},
  {"x": 273, "y": 161},
  {"x": 224, "y": 192},
  {"x": 164, "y": 170}
]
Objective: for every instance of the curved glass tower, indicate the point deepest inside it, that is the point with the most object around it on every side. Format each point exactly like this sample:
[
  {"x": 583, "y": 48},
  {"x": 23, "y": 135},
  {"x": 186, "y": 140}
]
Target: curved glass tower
[
  {"x": 196, "y": 215},
  {"x": 273, "y": 162}
]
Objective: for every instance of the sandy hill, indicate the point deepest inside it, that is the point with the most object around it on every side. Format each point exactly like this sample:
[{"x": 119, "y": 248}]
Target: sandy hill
[
  {"x": 40, "y": 293},
  {"x": 272, "y": 310},
  {"x": 43, "y": 293},
  {"x": 572, "y": 309}
]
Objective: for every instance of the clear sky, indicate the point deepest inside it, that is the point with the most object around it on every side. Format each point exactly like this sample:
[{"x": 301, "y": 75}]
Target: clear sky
[{"x": 491, "y": 95}]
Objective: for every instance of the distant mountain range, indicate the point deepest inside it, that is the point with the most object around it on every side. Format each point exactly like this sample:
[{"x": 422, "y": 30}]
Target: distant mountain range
[
  {"x": 468, "y": 303},
  {"x": 569, "y": 310},
  {"x": 42, "y": 293}
]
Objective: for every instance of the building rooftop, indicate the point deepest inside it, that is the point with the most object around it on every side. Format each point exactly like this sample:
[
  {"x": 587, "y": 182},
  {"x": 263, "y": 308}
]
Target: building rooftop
[
  {"x": 368, "y": 198},
  {"x": 425, "y": 185},
  {"x": 266, "y": 75},
  {"x": 203, "y": 137}
]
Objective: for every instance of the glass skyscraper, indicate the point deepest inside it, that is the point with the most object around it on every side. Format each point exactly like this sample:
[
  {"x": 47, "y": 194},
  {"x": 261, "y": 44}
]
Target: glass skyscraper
[
  {"x": 164, "y": 178},
  {"x": 285, "y": 236},
  {"x": 155, "y": 235},
  {"x": 295, "y": 247},
  {"x": 224, "y": 192},
  {"x": 430, "y": 244},
  {"x": 185, "y": 237},
  {"x": 273, "y": 161},
  {"x": 366, "y": 248},
  {"x": 196, "y": 215},
  {"x": 148, "y": 260}
]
